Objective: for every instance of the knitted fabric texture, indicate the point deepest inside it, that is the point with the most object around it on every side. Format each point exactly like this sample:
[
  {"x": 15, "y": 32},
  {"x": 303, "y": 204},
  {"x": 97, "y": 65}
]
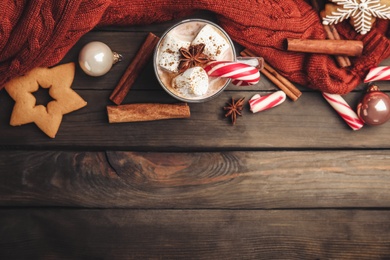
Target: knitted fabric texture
[{"x": 39, "y": 33}]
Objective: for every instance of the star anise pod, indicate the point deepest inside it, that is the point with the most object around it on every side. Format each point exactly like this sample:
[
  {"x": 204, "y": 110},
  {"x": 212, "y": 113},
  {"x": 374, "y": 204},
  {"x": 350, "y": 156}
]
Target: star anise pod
[
  {"x": 192, "y": 57},
  {"x": 234, "y": 108}
]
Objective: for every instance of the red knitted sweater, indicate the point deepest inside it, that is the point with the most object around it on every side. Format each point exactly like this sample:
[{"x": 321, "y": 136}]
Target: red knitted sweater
[{"x": 40, "y": 32}]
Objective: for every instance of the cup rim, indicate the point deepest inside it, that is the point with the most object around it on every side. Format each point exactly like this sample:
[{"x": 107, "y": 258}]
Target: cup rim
[{"x": 188, "y": 100}]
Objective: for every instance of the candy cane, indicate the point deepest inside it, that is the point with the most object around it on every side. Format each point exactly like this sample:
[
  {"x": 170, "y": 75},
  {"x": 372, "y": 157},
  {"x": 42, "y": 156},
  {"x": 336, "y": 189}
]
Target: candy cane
[
  {"x": 258, "y": 103},
  {"x": 240, "y": 83},
  {"x": 378, "y": 73},
  {"x": 344, "y": 110},
  {"x": 241, "y": 74}
]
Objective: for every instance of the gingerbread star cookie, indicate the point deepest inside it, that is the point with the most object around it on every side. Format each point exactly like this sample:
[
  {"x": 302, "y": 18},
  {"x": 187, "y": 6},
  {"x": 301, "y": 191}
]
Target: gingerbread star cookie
[
  {"x": 65, "y": 100},
  {"x": 362, "y": 13}
]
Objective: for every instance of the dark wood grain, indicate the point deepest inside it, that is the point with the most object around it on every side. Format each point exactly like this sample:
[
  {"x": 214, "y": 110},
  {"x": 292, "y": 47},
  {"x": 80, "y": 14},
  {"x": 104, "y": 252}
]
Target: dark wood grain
[
  {"x": 249, "y": 180},
  {"x": 189, "y": 234},
  {"x": 289, "y": 126}
]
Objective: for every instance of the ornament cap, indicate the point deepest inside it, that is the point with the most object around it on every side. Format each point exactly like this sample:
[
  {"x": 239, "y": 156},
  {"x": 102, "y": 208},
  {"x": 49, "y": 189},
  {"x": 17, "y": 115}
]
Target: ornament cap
[
  {"x": 372, "y": 88},
  {"x": 116, "y": 57}
]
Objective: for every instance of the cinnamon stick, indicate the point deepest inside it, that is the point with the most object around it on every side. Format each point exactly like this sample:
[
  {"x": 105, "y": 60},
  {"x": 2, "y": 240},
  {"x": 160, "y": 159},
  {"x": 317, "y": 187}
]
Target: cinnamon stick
[
  {"x": 281, "y": 82},
  {"x": 146, "y": 112},
  {"x": 333, "y": 47},
  {"x": 336, "y": 36},
  {"x": 134, "y": 68},
  {"x": 331, "y": 32}
]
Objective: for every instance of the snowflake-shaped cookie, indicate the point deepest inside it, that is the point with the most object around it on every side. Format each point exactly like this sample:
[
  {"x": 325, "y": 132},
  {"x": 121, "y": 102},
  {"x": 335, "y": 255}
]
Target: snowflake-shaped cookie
[{"x": 361, "y": 12}]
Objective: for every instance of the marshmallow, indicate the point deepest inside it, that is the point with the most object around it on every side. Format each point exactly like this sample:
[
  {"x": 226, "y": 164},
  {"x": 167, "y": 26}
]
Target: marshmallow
[
  {"x": 216, "y": 45},
  {"x": 193, "y": 81},
  {"x": 169, "y": 52}
]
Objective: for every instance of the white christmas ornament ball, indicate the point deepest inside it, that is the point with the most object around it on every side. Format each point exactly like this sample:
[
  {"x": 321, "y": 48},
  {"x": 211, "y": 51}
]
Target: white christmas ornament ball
[{"x": 96, "y": 58}]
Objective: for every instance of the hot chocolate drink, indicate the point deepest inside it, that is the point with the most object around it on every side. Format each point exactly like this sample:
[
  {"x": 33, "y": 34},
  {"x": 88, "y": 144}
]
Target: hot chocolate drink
[{"x": 179, "y": 75}]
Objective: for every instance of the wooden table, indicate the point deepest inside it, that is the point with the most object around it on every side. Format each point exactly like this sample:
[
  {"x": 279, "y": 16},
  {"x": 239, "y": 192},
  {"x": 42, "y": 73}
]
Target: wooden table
[{"x": 293, "y": 182}]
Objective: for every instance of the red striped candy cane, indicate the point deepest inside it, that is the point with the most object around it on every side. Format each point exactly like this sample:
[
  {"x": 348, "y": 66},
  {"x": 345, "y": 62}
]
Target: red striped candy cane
[
  {"x": 241, "y": 74},
  {"x": 378, "y": 73},
  {"x": 344, "y": 110}
]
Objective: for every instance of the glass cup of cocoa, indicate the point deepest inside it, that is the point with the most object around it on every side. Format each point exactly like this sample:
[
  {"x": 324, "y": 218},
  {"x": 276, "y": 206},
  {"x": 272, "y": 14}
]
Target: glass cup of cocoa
[{"x": 185, "y": 83}]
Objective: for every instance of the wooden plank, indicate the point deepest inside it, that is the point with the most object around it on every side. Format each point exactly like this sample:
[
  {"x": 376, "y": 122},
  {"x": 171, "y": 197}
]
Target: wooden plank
[
  {"x": 228, "y": 180},
  {"x": 188, "y": 234},
  {"x": 306, "y": 124}
]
